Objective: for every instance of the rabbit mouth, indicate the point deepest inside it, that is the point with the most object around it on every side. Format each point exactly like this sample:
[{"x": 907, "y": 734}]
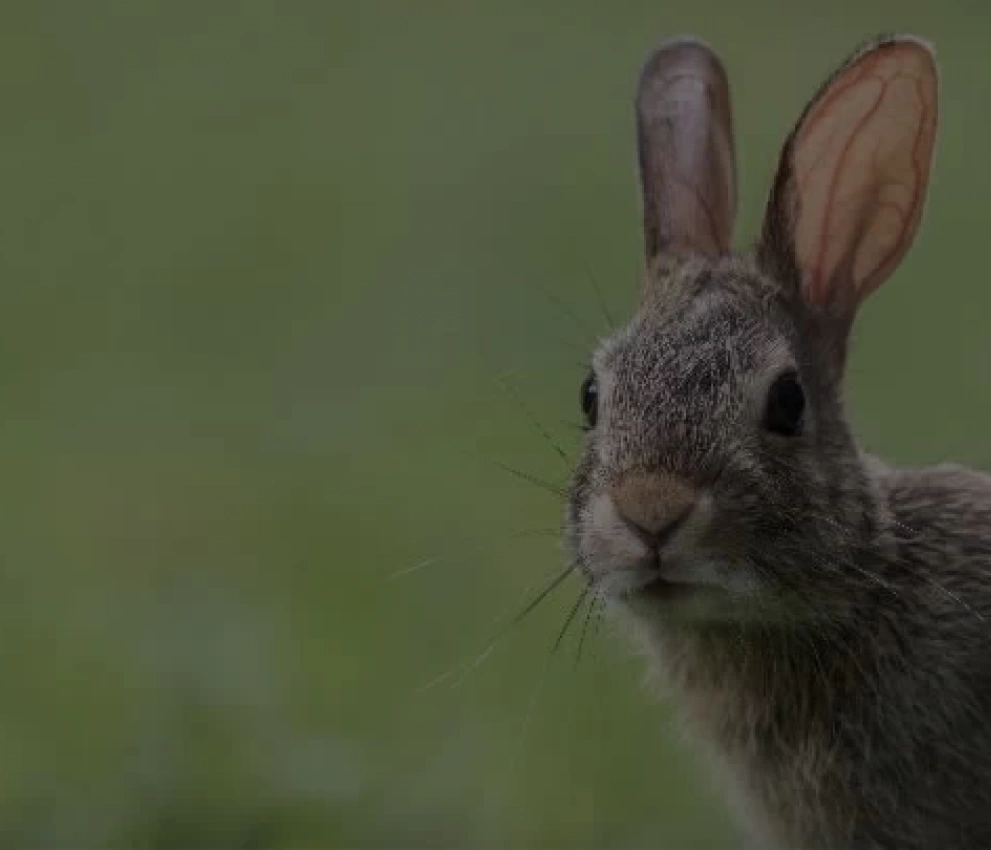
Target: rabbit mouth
[{"x": 662, "y": 589}]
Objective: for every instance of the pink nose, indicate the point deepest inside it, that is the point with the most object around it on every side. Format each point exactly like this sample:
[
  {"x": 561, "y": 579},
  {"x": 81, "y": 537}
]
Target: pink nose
[{"x": 653, "y": 505}]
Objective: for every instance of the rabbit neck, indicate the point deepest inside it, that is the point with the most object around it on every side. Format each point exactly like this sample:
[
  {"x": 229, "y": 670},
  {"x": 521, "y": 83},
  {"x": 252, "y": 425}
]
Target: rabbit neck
[{"x": 782, "y": 712}]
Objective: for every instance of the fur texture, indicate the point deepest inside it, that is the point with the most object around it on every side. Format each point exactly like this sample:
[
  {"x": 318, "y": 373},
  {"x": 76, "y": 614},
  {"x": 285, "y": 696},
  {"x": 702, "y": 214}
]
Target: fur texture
[{"x": 825, "y": 621}]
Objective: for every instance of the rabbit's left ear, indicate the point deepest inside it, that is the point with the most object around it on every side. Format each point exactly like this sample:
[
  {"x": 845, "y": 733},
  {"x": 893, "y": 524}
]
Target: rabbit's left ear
[{"x": 851, "y": 184}]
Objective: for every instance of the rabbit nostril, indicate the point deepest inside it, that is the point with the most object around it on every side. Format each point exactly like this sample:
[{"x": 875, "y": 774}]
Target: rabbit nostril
[
  {"x": 655, "y": 538},
  {"x": 653, "y": 506}
]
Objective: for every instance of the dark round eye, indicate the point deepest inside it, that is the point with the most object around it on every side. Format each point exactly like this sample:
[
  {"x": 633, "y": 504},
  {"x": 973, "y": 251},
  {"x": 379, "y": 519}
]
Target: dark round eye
[
  {"x": 785, "y": 406},
  {"x": 590, "y": 399}
]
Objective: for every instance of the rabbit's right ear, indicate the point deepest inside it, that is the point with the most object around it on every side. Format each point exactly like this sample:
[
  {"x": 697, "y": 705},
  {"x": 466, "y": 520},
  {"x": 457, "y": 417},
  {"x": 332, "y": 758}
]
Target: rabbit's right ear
[
  {"x": 851, "y": 184},
  {"x": 687, "y": 160}
]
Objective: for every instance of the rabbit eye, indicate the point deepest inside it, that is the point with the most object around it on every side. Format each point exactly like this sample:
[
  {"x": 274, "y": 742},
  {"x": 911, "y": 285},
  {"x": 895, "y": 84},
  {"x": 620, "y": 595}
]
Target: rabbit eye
[
  {"x": 590, "y": 399},
  {"x": 785, "y": 406}
]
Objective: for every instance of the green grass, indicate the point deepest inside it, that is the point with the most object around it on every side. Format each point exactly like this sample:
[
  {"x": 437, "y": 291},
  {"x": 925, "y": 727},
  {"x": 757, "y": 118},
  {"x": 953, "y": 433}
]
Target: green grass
[{"x": 263, "y": 265}]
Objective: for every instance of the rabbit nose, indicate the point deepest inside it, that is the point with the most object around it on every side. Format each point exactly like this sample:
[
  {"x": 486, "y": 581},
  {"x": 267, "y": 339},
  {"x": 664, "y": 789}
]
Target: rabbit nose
[{"x": 653, "y": 507}]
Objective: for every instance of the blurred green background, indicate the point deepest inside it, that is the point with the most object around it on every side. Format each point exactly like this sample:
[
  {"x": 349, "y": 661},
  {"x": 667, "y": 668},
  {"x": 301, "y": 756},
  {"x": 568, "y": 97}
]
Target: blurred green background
[{"x": 265, "y": 270}]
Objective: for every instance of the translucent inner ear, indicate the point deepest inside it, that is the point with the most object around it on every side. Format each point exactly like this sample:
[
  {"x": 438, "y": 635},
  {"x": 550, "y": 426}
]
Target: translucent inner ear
[
  {"x": 685, "y": 139},
  {"x": 853, "y": 177}
]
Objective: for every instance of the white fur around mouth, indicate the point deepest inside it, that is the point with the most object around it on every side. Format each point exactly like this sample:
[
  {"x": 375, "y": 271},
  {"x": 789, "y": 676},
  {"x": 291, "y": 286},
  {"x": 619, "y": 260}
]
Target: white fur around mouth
[
  {"x": 662, "y": 589},
  {"x": 643, "y": 583}
]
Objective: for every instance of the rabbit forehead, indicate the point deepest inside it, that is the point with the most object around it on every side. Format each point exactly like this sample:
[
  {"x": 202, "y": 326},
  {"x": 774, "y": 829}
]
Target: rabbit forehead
[{"x": 681, "y": 378}]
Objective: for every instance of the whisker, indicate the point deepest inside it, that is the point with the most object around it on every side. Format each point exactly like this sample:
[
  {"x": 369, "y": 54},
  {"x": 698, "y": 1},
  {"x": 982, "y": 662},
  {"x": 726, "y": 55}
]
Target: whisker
[
  {"x": 600, "y": 615},
  {"x": 441, "y": 559},
  {"x": 598, "y": 295},
  {"x": 477, "y": 662},
  {"x": 532, "y": 703},
  {"x": 592, "y": 605},
  {"x": 525, "y": 594},
  {"x": 525, "y": 612},
  {"x": 916, "y": 534},
  {"x": 570, "y": 619},
  {"x": 564, "y": 309},
  {"x": 540, "y": 597},
  {"x": 414, "y": 568},
  {"x": 921, "y": 574},
  {"x": 438, "y": 680},
  {"x": 530, "y": 707},
  {"x": 852, "y": 564},
  {"x": 510, "y": 390},
  {"x": 953, "y": 596},
  {"x": 574, "y": 347},
  {"x": 537, "y": 482},
  {"x": 833, "y": 637},
  {"x": 849, "y": 562},
  {"x": 499, "y": 636},
  {"x": 810, "y": 635}
]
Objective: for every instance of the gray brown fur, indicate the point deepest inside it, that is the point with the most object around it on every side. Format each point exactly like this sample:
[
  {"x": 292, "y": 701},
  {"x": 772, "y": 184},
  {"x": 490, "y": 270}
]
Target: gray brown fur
[{"x": 847, "y": 701}]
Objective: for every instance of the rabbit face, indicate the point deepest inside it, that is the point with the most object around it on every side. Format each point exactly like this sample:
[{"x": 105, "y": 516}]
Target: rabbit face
[
  {"x": 716, "y": 453},
  {"x": 719, "y": 477}
]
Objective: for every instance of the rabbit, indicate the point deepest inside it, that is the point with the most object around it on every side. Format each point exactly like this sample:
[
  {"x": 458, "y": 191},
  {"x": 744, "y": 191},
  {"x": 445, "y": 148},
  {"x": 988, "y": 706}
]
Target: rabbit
[{"x": 821, "y": 620}]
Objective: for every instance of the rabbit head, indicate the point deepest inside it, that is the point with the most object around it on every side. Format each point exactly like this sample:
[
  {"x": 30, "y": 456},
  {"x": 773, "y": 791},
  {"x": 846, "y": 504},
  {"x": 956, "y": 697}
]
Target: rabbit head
[{"x": 719, "y": 478}]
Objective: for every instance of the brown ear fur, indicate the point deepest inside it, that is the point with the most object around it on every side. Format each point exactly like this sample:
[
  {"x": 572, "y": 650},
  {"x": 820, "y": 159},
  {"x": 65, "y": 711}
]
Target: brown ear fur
[{"x": 686, "y": 151}]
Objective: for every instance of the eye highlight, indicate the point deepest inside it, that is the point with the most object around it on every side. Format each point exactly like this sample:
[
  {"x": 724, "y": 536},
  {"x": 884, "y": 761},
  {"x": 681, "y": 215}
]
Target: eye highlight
[
  {"x": 785, "y": 405},
  {"x": 589, "y": 398}
]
